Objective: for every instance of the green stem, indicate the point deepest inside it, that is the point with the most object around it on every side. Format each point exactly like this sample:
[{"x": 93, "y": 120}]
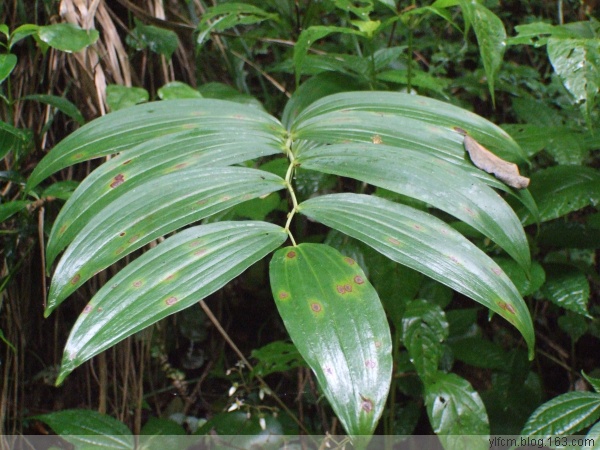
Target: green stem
[{"x": 288, "y": 184}]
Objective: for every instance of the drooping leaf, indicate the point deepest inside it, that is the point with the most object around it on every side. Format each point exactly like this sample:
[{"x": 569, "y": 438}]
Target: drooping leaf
[
  {"x": 410, "y": 173},
  {"x": 147, "y": 163},
  {"x": 426, "y": 244},
  {"x": 60, "y": 103},
  {"x": 424, "y": 327},
  {"x": 149, "y": 211},
  {"x": 87, "y": 429},
  {"x": 491, "y": 38},
  {"x": 564, "y": 415},
  {"x": 121, "y": 130},
  {"x": 456, "y": 412},
  {"x": 8, "y": 61},
  {"x": 335, "y": 318},
  {"x": 67, "y": 37},
  {"x": 567, "y": 287},
  {"x": 169, "y": 278}
]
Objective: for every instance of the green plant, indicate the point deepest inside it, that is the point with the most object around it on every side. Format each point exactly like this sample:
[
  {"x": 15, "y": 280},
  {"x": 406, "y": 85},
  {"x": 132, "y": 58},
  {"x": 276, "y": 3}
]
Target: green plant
[{"x": 176, "y": 165}]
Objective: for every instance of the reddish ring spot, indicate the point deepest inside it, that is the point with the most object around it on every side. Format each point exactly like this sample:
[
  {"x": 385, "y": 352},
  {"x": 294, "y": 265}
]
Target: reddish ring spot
[
  {"x": 316, "y": 307},
  {"x": 132, "y": 239},
  {"x": 62, "y": 229},
  {"x": 117, "y": 180},
  {"x": 347, "y": 288},
  {"x": 200, "y": 252},
  {"x": 393, "y": 241},
  {"x": 507, "y": 307},
  {"x": 370, "y": 364},
  {"x": 87, "y": 309},
  {"x": 283, "y": 295},
  {"x": 350, "y": 261},
  {"x": 180, "y": 166},
  {"x": 75, "y": 279},
  {"x": 366, "y": 404},
  {"x": 358, "y": 279},
  {"x": 340, "y": 289},
  {"x": 137, "y": 283},
  {"x": 171, "y": 301},
  {"x": 497, "y": 270},
  {"x": 291, "y": 254}
]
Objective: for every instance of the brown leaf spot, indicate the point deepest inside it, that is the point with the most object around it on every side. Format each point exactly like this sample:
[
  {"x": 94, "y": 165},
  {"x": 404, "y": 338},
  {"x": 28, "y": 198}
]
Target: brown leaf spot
[
  {"x": 170, "y": 277},
  {"x": 225, "y": 198},
  {"x": 316, "y": 307},
  {"x": 417, "y": 227},
  {"x": 283, "y": 295},
  {"x": 497, "y": 270},
  {"x": 122, "y": 233},
  {"x": 195, "y": 243},
  {"x": 132, "y": 239},
  {"x": 340, "y": 289},
  {"x": 347, "y": 288},
  {"x": 99, "y": 309},
  {"x": 137, "y": 283},
  {"x": 470, "y": 212},
  {"x": 391, "y": 240},
  {"x": 370, "y": 364},
  {"x": 358, "y": 279},
  {"x": 87, "y": 309},
  {"x": 171, "y": 301},
  {"x": 75, "y": 279},
  {"x": 366, "y": 404},
  {"x": 180, "y": 166},
  {"x": 78, "y": 156},
  {"x": 376, "y": 139},
  {"x": 119, "y": 250},
  {"x": 117, "y": 180},
  {"x": 507, "y": 307},
  {"x": 290, "y": 254},
  {"x": 350, "y": 261},
  {"x": 62, "y": 229},
  {"x": 126, "y": 162},
  {"x": 200, "y": 252},
  {"x": 377, "y": 344},
  {"x": 201, "y": 202}
]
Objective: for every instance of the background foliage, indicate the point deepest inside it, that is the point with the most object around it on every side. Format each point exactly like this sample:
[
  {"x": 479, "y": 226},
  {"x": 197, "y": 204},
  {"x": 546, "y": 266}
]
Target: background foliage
[{"x": 531, "y": 67}]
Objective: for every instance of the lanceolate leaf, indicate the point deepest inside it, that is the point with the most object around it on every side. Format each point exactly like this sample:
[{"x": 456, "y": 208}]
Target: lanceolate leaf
[
  {"x": 426, "y": 110},
  {"x": 148, "y": 162},
  {"x": 169, "y": 278},
  {"x": 424, "y": 243},
  {"x": 124, "y": 129},
  {"x": 149, "y": 211},
  {"x": 564, "y": 415},
  {"x": 337, "y": 322},
  {"x": 429, "y": 179}
]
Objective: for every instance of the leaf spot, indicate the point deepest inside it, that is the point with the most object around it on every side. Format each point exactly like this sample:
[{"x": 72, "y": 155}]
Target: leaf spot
[
  {"x": 117, "y": 180},
  {"x": 78, "y": 156},
  {"x": 366, "y": 404},
  {"x": 376, "y": 139},
  {"x": 328, "y": 370},
  {"x": 132, "y": 239},
  {"x": 180, "y": 166},
  {"x": 87, "y": 309},
  {"x": 497, "y": 270},
  {"x": 200, "y": 252},
  {"x": 507, "y": 307},
  {"x": 126, "y": 162},
  {"x": 370, "y": 364},
  {"x": 291, "y": 254},
  {"x": 119, "y": 250},
  {"x": 137, "y": 283},
  {"x": 391, "y": 240},
  {"x": 377, "y": 344},
  {"x": 171, "y": 301},
  {"x": 316, "y": 307},
  {"x": 283, "y": 295},
  {"x": 358, "y": 279},
  {"x": 350, "y": 261},
  {"x": 75, "y": 279},
  {"x": 340, "y": 289},
  {"x": 62, "y": 229},
  {"x": 122, "y": 233},
  {"x": 225, "y": 198},
  {"x": 417, "y": 227}
]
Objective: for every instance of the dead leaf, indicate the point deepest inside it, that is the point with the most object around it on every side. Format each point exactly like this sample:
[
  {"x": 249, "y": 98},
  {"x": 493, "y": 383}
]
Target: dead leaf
[{"x": 483, "y": 159}]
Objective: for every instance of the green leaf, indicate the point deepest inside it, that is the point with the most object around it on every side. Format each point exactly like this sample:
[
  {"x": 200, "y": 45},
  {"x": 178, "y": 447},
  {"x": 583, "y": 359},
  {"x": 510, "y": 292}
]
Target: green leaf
[
  {"x": 567, "y": 287},
  {"x": 22, "y": 32},
  {"x": 593, "y": 436},
  {"x": 527, "y": 284},
  {"x": 223, "y": 91},
  {"x": 491, "y": 38},
  {"x": 88, "y": 429},
  {"x": 308, "y": 37},
  {"x": 564, "y": 415},
  {"x": 8, "y": 62},
  {"x": 424, "y": 327},
  {"x": 228, "y": 15},
  {"x": 148, "y": 162},
  {"x": 177, "y": 90},
  {"x": 10, "y": 208},
  {"x": 594, "y": 382},
  {"x": 574, "y": 325},
  {"x": 12, "y": 138},
  {"x": 121, "y": 130},
  {"x": 410, "y": 173},
  {"x": 200, "y": 260},
  {"x": 158, "y": 40},
  {"x": 443, "y": 116},
  {"x": 455, "y": 409},
  {"x": 276, "y": 357},
  {"x": 335, "y": 319},
  {"x": 61, "y": 189},
  {"x": 560, "y": 190},
  {"x": 418, "y": 79},
  {"x": 121, "y": 97},
  {"x": 426, "y": 244},
  {"x": 67, "y": 37},
  {"x": 163, "y": 427},
  {"x": 577, "y": 63},
  {"x": 60, "y": 103},
  {"x": 193, "y": 194},
  {"x": 480, "y": 352}
]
